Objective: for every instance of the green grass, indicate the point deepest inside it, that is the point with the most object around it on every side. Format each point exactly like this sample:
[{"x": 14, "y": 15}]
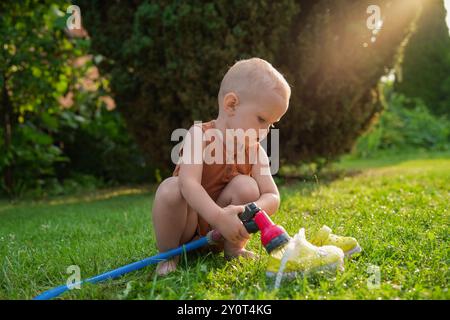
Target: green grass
[
  {"x": 387, "y": 157},
  {"x": 397, "y": 211}
]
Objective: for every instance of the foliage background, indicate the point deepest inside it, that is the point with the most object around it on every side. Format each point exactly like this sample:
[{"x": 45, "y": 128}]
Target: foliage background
[
  {"x": 166, "y": 60},
  {"x": 161, "y": 63}
]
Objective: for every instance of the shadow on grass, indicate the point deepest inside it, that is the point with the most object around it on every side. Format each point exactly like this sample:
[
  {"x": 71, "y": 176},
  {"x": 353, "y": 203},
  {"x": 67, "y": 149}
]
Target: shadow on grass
[{"x": 83, "y": 197}]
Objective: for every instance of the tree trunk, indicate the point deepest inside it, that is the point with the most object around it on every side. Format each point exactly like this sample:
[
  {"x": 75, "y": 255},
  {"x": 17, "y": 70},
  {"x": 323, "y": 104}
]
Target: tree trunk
[{"x": 6, "y": 113}]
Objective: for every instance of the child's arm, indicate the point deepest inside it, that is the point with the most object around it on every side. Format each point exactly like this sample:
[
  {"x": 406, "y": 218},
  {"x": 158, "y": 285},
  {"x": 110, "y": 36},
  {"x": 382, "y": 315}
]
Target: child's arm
[
  {"x": 190, "y": 177},
  {"x": 269, "y": 199}
]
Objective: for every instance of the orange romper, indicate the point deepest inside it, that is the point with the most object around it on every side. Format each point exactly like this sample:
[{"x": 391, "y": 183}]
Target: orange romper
[{"x": 216, "y": 176}]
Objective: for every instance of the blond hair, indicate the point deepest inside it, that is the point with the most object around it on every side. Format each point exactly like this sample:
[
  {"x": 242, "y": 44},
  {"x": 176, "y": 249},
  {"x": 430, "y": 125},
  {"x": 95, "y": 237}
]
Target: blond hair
[{"x": 248, "y": 76}]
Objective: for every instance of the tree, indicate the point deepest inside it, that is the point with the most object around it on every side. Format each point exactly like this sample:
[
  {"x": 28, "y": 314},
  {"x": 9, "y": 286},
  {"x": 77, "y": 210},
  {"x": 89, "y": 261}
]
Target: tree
[
  {"x": 166, "y": 59},
  {"x": 35, "y": 71},
  {"x": 425, "y": 71}
]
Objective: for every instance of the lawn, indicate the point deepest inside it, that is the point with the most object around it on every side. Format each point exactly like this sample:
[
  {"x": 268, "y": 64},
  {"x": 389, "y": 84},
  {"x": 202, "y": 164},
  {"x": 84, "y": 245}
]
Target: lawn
[{"x": 398, "y": 210}]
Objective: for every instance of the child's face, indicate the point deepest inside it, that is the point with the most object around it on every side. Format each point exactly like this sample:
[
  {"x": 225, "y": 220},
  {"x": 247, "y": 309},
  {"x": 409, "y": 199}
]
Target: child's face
[{"x": 259, "y": 113}]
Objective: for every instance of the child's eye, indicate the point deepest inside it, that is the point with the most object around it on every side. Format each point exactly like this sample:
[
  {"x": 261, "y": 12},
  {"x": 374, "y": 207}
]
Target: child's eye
[{"x": 261, "y": 120}]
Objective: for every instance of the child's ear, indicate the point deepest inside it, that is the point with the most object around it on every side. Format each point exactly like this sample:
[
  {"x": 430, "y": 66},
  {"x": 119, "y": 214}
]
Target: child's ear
[{"x": 230, "y": 101}]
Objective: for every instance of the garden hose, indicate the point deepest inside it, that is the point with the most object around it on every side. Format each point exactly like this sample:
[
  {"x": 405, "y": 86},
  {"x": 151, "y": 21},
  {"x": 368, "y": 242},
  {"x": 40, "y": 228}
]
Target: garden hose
[
  {"x": 254, "y": 219},
  {"x": 210, "y": 239}
]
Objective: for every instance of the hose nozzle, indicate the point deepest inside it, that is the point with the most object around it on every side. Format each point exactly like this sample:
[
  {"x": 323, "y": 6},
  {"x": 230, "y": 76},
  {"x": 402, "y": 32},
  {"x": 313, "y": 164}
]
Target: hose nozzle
[{"x": 272, "y": 235}]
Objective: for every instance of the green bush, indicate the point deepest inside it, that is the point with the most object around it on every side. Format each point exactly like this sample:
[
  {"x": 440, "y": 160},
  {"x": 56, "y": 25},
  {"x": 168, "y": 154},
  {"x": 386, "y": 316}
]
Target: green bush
[
  {"x": 46, "y": 148},
  {"x": 33, "y": 74},
  {"x": 34, "y": 154},
  {"x": 407, "y": 124},
  {"x": 166, "y": 60},
  {"x": 87, "y": 149},
  {"x": 101, "y": 146}
]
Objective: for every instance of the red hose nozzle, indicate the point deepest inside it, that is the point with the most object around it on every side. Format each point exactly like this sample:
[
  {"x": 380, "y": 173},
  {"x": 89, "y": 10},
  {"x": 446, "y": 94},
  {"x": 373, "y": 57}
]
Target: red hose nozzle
[
  {"x": 272, "y": 235},
  {"x": 255, "y": 219}
]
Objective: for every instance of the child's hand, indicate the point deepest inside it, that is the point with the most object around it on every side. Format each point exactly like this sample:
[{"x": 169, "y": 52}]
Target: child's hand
[{"x": 230, "y": 226}]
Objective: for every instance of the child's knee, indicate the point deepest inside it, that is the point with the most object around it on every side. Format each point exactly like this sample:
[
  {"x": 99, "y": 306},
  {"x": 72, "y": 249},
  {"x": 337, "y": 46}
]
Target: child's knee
[
  {"x": 169, "y": 191},
  {"x": 246, "y": 189}
]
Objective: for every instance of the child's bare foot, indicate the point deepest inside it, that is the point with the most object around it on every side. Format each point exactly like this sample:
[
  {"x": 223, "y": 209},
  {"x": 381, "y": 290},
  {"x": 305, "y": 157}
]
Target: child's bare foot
[
  {"x": 229, "y": 255},
  {"x": 165, "y": 267}
]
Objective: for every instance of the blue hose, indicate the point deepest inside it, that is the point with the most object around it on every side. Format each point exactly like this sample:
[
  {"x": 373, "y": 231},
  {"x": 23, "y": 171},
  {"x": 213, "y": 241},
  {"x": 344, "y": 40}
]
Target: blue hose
[{"x": 52, "y": 293}]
